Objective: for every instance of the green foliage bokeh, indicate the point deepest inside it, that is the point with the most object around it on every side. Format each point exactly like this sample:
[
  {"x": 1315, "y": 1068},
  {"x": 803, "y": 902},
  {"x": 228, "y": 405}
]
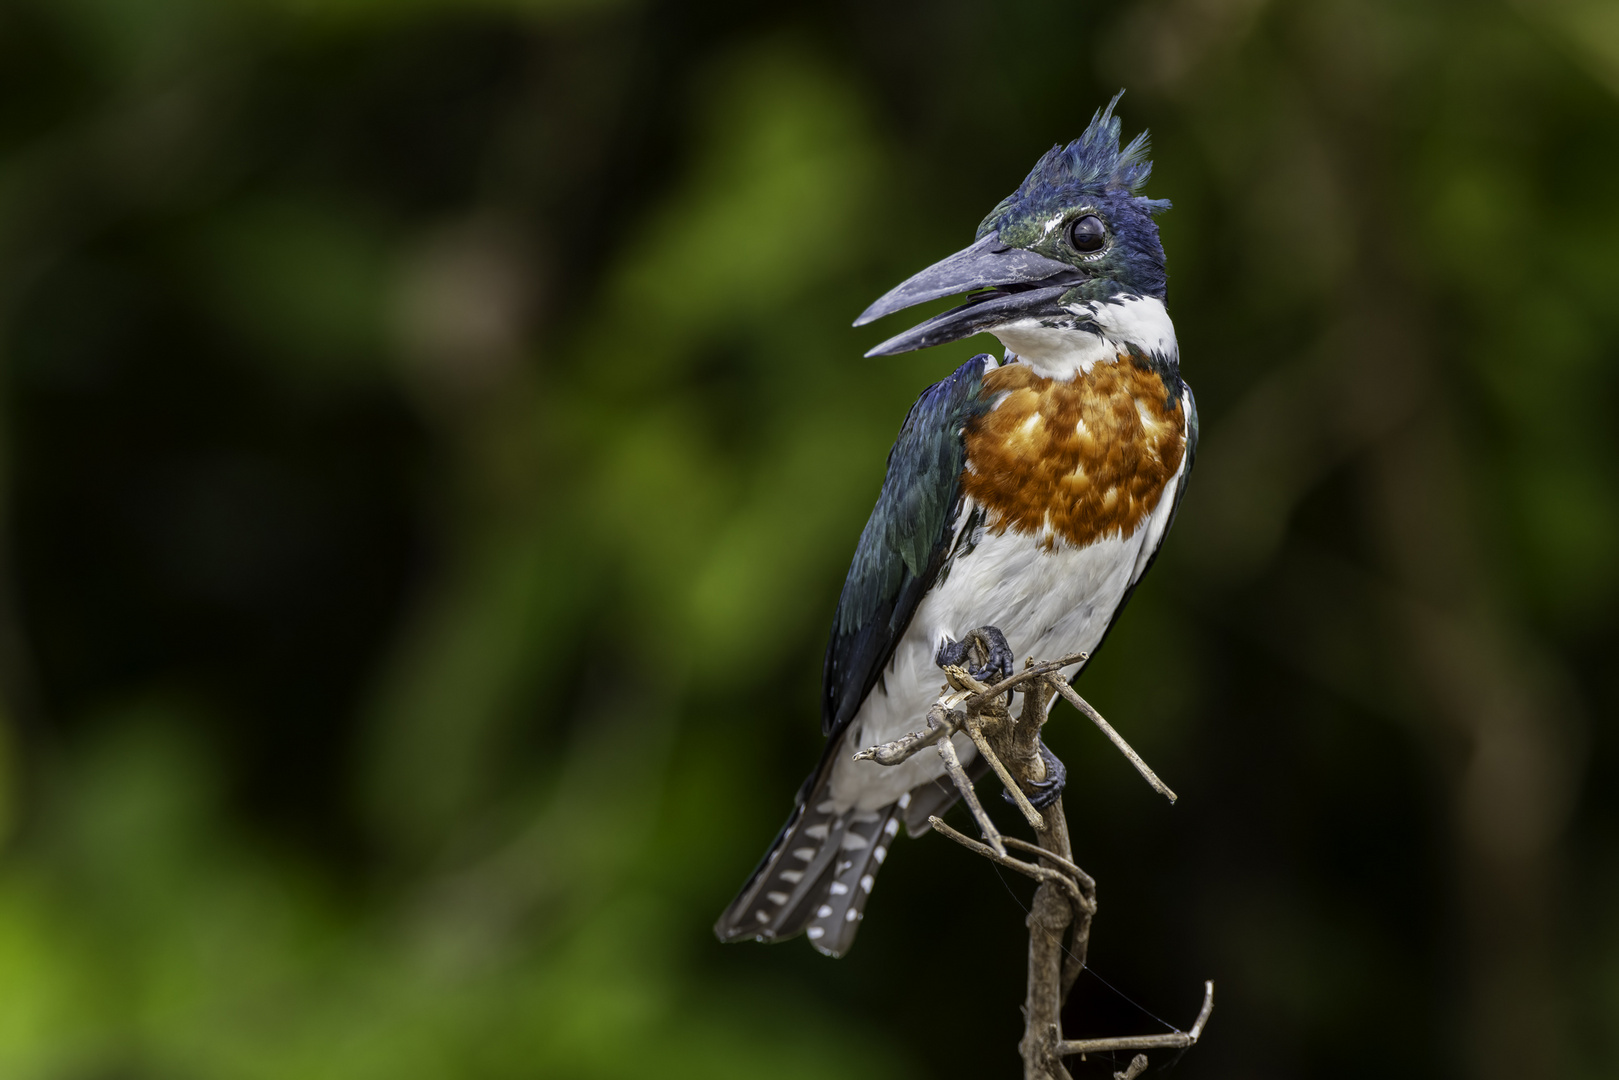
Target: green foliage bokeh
[{"x": 434, "y": 440}]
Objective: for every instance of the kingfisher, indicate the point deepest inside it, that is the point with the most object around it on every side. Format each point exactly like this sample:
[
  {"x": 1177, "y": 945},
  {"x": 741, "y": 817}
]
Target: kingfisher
[{"x": 1023, "y": 502}]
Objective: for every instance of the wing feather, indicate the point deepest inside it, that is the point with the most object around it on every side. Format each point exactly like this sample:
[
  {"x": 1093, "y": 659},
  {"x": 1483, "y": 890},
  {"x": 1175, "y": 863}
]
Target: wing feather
[{"x": 904, "y": 543}]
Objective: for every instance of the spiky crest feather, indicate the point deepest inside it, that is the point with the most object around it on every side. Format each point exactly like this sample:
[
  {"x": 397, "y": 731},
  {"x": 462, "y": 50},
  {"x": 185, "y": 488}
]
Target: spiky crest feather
[{"x": 1091, "y": 164}]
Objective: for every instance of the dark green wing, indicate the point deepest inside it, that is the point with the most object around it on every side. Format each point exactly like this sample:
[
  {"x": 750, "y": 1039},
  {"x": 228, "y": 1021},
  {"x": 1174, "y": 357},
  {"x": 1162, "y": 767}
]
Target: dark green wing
[{"x": 904, "y": 542}]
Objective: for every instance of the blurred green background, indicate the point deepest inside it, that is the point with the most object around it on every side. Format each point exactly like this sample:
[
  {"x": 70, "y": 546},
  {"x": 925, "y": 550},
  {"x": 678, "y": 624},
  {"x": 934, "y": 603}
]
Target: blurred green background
[{"x": 433, "y": 444}]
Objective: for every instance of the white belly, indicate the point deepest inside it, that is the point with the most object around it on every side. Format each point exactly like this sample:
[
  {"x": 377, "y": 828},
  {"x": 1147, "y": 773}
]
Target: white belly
[{"x": 1047, "y": 603}]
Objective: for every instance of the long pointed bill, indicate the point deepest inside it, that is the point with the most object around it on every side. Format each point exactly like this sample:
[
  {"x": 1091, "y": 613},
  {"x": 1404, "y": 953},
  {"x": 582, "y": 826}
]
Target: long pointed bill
[
  {"x": 995, "y": 309},
  {"x": 988, "y": 264}
]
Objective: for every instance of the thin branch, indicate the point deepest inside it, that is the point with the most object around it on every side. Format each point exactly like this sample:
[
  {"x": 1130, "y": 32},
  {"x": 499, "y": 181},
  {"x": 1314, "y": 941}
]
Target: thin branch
[
  {"x": 952, "y": 765},
  {"x": 1118, "y": 740},
  {"x": 1176, "y": 1041},
  {"x": 1038, "y": 873},
  {"x": 1137, "y": 1066},
  {"x": 1079, "y": 875},
  {"x": 1072, "y": 965},
  {"x": 1066, "y": 897},
  {"x": 961, "y": 680},
  {"x": 940, "y": 723},
  {"x": 1011, "y": 682},
  {"x": 970, "y": 690},
  {"x": 1030, "y": 814}
]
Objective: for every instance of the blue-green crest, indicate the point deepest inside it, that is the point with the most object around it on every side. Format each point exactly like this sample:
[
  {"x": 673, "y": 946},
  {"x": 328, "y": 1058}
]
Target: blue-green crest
[{"x": 1093, "y": 164}]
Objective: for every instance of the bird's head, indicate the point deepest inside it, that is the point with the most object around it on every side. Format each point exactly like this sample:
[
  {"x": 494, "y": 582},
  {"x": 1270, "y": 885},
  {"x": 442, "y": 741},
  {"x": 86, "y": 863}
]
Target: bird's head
[{"x": 1073, "y": 236}]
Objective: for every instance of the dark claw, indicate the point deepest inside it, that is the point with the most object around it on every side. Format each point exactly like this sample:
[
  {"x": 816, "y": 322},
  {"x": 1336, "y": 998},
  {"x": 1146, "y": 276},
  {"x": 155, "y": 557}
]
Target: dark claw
[
  {"x": 1048, "y": 790},
  {"x": 990, "y": 643},
  {"x": 998, "y": 654},
  {"x": 951, "y": 653}
]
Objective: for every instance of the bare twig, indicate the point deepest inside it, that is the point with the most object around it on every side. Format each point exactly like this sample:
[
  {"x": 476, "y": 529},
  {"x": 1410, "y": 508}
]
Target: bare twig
[
  {"x": 1137, "y": 1066},
  {"x": 1044, "y": 668},
  {"x": 941, "y": 722},
  {"x": 1118, "y": 740},
  {"x": 961, "y": 680},
  {"x": 1038, "y": 873},
  {"x": 952, "y": 765},
  {"x": 1175, "y": 1041},
  {"x": 1030, "y": 814},
  {"x": 942, "y": 718},
  {"x": 1065, "y": 901},
  {"x": 1075, "y": 872},
  {"x": 1052, "y": 967}
]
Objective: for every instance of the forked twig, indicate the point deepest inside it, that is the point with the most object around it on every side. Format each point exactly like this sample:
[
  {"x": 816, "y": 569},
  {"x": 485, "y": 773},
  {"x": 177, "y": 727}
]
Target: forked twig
[
  {"x": 1118, "y": 740},
  {"x": 1137, "y": 1066},
  {"x": 1030, "y": 814},
  {"x": 1038, "y": 873},
  {"x": 1075, "y": 872},
  {"x": 941, "y": 722},
  {"x": 952, "y": 765},
  {"x": 1065, "y": 902},
  {"x": 944, "y": 718},
  {"x": 1178, "y": 1040},
  {"x": 1034, "y": 672}
]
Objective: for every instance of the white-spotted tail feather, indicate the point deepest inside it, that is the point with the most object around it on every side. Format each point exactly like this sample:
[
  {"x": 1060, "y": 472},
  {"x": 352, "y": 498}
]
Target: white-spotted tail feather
[
  {"x": 842, "y": 895},
  {"x": 772, "y": 905},
  {"x": 817, "y": 876}
]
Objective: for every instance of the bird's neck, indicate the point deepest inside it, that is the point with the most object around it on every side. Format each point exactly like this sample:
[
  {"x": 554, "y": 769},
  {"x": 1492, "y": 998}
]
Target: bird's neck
[{"x": 1092, "y": 332}]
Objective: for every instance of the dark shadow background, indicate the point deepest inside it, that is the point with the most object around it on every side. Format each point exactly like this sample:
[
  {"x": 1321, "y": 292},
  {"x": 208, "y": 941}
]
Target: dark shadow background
[{"x": 433, "y": 444}]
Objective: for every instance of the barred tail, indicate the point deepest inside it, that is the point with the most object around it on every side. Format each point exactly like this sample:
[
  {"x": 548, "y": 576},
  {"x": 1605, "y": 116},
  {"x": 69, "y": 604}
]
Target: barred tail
[{"x": 817, "y": 876}]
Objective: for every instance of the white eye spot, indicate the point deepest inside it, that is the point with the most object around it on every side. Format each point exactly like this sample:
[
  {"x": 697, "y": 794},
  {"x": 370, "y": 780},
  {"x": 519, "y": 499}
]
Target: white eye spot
[
  {"x": 814, "y": 932},
  {"x": 880, "y": 854},
  {"x": 866, "y": 882},
  {"x": 777, "y": 898},
  {"x": 823, "y": 911}
]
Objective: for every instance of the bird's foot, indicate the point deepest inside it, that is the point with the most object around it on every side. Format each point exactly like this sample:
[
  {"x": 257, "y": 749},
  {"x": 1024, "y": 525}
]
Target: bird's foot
[
  {"x": 990, "y": 644},
  {"x": 1045, "y": 792}
]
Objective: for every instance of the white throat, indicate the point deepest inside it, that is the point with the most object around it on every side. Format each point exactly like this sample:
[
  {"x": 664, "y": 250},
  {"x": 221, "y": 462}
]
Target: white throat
[{"x": 1060, "y": 347}]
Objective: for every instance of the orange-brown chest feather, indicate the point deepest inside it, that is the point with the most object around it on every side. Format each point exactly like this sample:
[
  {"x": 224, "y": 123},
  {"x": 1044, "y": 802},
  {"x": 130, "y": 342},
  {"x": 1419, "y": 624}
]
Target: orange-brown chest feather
[{"x": 1078, "y": 460}]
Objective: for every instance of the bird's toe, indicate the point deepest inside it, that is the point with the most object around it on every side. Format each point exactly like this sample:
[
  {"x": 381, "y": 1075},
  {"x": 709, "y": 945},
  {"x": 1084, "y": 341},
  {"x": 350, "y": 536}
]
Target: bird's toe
[
  {"x": 952, "y": 653},
  {"x": 997, "y": 654},
  {"x": 1043, "y": 793}
]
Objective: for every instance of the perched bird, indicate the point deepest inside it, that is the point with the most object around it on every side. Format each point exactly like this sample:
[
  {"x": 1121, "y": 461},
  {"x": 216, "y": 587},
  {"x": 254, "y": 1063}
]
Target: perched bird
[{"x": 1024, "y": 498}]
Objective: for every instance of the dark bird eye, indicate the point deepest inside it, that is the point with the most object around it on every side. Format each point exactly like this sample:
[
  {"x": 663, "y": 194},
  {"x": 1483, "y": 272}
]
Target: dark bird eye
[{"x": 1087, "y": 234}]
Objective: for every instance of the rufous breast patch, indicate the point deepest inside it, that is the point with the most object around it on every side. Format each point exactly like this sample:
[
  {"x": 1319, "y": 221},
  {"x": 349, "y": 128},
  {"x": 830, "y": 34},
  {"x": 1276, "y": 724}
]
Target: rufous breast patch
[{"x": 1077, "y": 460}]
